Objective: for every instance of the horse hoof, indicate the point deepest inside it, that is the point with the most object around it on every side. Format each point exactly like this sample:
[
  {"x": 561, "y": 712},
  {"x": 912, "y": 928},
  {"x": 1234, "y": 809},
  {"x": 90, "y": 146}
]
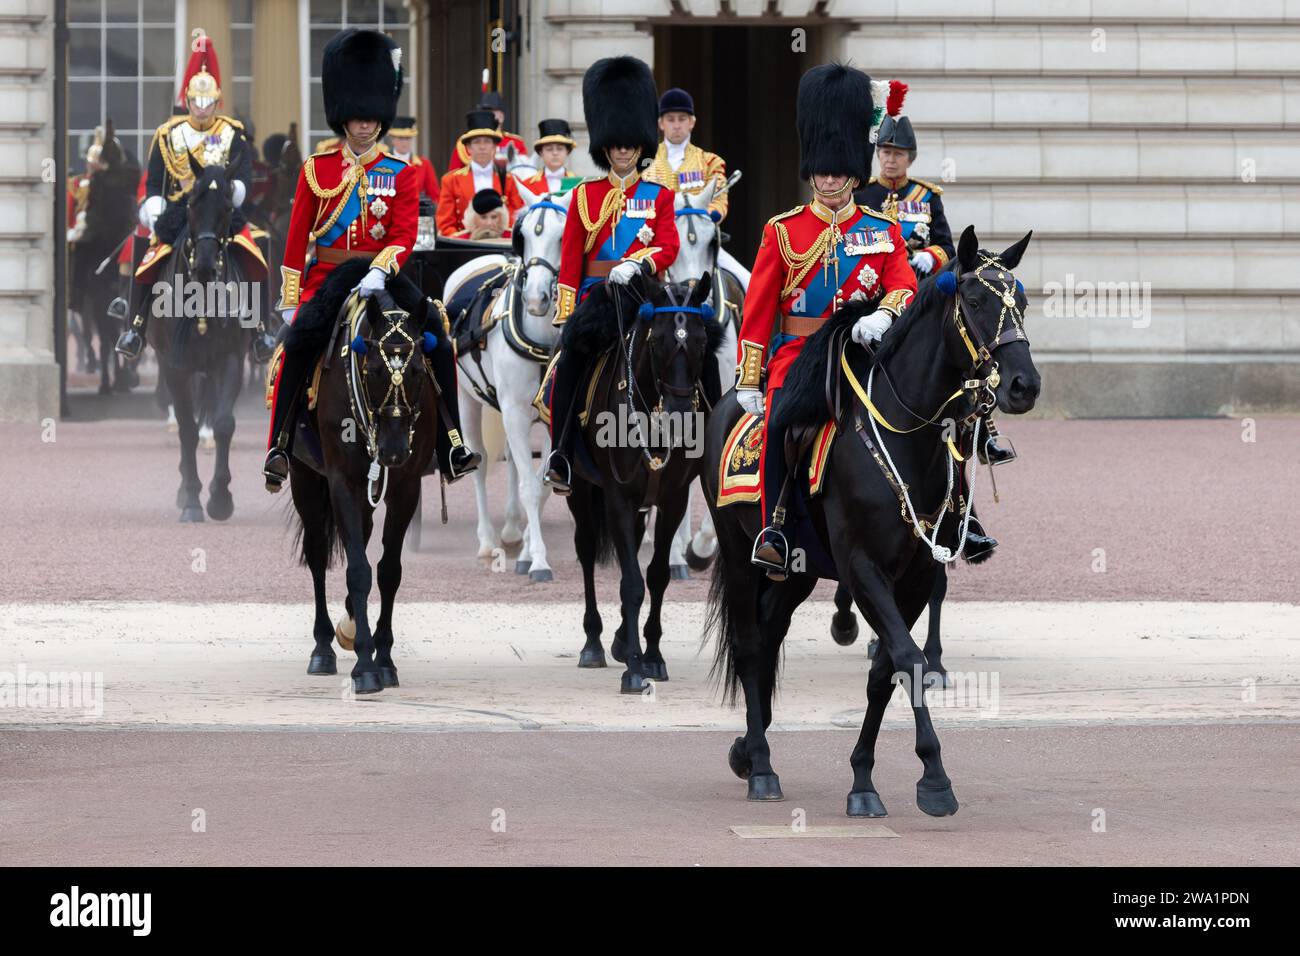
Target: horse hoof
[
  {"x": 521, "y": 567},
  {"x": 873, "y": 646},
  {"x": 322, "y": 664},
  {"x": 618, "y": 649},
  {"x": 220, "y": 507},
  {"x": 844, "y": 633},
  {"x": 632, "y": 683},
  {"x": 866, "y": 804},
  {"x": 541, "y": 576},
  {"x": 696, "y": 561},
  {"x": 192, "y": 515},
  {"x": 738, "y": 760},
  {"x": 592, "y": 657},
  {"x": 345, "y": 631},
  {"x": 388, "y": 676},
  {"x": 367, "y": 682},
  {"x": 679, "y": 572},
  {"x": 936, "y": 803},
  {"x": 765, "y": 786},
  {"x": 654, "y": 670}
]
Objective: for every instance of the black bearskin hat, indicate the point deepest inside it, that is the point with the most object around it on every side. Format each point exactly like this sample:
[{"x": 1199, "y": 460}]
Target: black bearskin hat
[
  {"x": 834, "y": 115},
  {"x": 621, "y": 107},
  {"x": 361, "y": 78}
]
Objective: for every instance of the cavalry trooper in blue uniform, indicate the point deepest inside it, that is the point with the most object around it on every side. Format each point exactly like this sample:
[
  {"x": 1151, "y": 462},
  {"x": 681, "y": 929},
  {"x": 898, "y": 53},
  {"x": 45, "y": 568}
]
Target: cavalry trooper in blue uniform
[{"x": 918, "y": 207}]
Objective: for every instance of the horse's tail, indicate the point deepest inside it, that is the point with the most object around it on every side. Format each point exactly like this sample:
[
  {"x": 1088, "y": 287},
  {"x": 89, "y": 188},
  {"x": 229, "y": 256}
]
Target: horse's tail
[
  {"x": 720, "y": 622},
  {"x": 325, "y": 535},
  {"x": 604, "y": 542}
]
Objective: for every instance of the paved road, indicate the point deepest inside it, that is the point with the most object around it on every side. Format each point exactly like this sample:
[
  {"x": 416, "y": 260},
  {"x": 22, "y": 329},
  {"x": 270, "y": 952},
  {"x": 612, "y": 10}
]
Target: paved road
[
  {"x": 1169, "y": 795},
  {"x": 1094, "y": 511},
  {"x": 1140, "y": 622}
]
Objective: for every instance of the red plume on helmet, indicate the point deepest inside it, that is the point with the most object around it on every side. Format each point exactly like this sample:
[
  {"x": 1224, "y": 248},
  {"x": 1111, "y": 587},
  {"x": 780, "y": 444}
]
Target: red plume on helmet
[{"x": 203, "y": 59}]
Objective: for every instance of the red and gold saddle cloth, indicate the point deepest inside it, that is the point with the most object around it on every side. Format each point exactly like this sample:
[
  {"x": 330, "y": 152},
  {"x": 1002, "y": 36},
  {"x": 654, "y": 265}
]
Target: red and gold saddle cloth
[{"x": 739, "y": 477}]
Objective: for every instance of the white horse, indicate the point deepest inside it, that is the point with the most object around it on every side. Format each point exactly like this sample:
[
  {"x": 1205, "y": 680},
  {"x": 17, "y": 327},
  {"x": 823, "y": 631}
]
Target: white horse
[
  {"x": 700, "y": 251},
  {"x": 508, "y": 369}
]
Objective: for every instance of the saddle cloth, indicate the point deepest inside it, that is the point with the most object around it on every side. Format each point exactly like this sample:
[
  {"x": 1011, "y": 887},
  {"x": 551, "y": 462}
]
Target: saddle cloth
[{"x": 739, "y": 478}]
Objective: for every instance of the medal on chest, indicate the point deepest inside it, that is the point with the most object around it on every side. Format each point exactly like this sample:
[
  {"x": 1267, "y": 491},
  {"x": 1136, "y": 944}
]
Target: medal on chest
[
  {"x": 867, "y": 241},
  {"x": 691, "y": 180},
  {"x": 635, "y": 208},
  {"x": 914, "y": 211}
]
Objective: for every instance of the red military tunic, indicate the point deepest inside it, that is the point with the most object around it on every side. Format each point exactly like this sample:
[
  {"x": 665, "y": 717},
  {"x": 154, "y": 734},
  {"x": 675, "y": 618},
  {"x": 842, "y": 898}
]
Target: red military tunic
[
  {"x": 425, "y": 174},
  {"x": 810, "y": 262},
  {"x": 457, "y": 194},
  {"x": 794, "y": 281},
  {"x": 600, "y": 221},
  {"x": 341, "y": 209}
]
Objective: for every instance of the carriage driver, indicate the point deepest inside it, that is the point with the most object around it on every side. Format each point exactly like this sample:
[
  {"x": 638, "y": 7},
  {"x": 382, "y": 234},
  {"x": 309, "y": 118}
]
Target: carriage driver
[
  {"x": 619, "y": 225},
  {"x": 918, "y": 207},
  {"x": 181, "y": 148},
  {"x": 353, "y": 200}
]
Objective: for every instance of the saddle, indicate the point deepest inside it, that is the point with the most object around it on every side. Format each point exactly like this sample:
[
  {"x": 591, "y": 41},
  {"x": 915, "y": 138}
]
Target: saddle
[{"x": 473, "y": 306}]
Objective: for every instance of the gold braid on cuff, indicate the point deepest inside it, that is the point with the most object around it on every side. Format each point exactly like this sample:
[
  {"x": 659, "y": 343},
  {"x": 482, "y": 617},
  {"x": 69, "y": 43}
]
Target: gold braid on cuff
[
  {"x": 750, "y": 371},
  {"x": 290, "y": 287}
]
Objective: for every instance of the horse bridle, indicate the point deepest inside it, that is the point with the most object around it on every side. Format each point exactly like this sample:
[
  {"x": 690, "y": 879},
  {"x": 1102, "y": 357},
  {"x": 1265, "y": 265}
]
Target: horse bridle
[
  {"x": 396, "y": 360},
  {"x": 983, "y": 378},
  {"x": 546, "y": 264},
  {"x": 646, "y": 312}
]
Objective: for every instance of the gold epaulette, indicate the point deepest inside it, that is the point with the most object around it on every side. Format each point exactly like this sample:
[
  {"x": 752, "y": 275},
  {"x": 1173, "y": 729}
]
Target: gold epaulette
[
  {"x": 785, "y": 215},
  {"x": 324, "y": 152},
  {"x": 873, "y": 179},
  {"x": 879, "y": 214},
  {"x": 937, "y": 190},
  {"x": 231, "y": 120}
]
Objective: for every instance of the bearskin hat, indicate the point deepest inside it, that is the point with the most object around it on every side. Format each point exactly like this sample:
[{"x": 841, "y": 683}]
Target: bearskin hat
[
  {"x": 361, "y": 78},
  {"x": 620, "y": 104},
  {"x": 834, "y": 114}
]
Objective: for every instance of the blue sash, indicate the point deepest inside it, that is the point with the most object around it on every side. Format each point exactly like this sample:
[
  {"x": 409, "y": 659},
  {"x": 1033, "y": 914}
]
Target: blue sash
[
  {"x": 818, "y": 295},
  {"x": 623, "y": 235},
  {"x": 382, "y": 178}
]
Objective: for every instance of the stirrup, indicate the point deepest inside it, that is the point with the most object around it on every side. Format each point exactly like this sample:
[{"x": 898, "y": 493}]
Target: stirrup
[
  {"x": 992, "y": 452},
  {"x": 561, "y": 486},
  {"x": 777, "y": 566},
  {"x": 275, "y": 479},
  {"x": 472, "y": 460},
  {"x": 130, "y": 344}
]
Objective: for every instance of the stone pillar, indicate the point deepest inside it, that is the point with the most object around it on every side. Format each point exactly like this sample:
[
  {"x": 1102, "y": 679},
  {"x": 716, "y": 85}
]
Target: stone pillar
[
  {"x": 29, "y": 376},
  {"x": 276, "y": 75}
]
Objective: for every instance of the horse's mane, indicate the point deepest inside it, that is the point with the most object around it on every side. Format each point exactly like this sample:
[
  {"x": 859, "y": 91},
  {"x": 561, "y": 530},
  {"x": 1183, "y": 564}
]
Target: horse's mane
[
  {"x": 922, "y": 304},
  {"x": 315, "y": 320},
  {"x": 175, "y": 217}
]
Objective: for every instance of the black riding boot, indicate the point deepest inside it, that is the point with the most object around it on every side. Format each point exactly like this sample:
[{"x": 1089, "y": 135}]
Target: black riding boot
[
  {"x": 559, "y": 467},
  {"x": 455, "y": 459},
  {"x": 294, "y": 372},
  {"x": 130, "y": 344},
  {"x": 994, "y": 449},
  {"x": 771, "y": 548}
]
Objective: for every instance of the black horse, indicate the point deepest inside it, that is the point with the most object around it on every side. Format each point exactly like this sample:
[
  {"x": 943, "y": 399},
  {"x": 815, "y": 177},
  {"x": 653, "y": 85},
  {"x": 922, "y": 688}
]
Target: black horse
[
  {"x": 201, "y": 325},
  {"x": 632, "y": 458},
  {"x": 93, "y": 269},
  {"x": 370, "y": 437},
  {"x": 962, "y": 334}
]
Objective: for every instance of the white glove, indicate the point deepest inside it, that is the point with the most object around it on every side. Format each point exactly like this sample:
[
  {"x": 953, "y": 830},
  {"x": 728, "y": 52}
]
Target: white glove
[
  {"x": 871, "y": 327},
  {"x": 150, "y": 210},
  {"x": 237, "y": 192},
  {"x": 923, "y": 262},
  {"x": 751, "y": 400},
  {"x": 372, "y": 282},
  {"x": 79, "y": 229},
  {"x": 287, "y": 315},
  {"x": 622, "y": 273}
]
